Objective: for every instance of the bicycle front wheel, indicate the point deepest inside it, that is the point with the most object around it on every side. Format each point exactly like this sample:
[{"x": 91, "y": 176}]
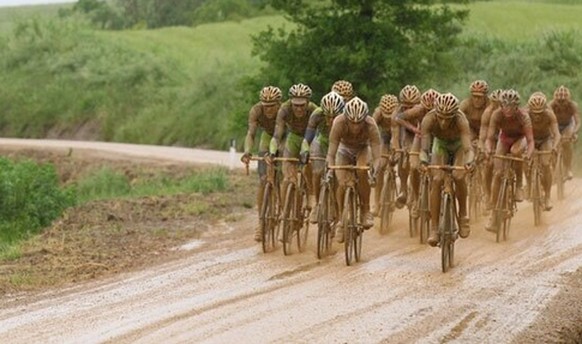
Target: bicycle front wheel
[
  {"x": 324, "y": 223},
  {"x": 267, "y": 219},
  {"x": 289, "y": 220},
  {"x": 388, "y": 197},
  {"x": 349, "y": 223},
  {"x": 560, "y": 176},
  {"x": 302, "y": 216},
  {"x": 447, "y": 228},
  {"x": 536, "y": 195},
  {"x": 423, "y": 209}
]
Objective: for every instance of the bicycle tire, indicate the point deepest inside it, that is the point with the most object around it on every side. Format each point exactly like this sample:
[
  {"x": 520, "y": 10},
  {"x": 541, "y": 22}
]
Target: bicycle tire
[
  {"x": 288, "y": 221},
  {"x": 510, "y": 203},
  {"x": 302, "y": 215},
  {"x": 446, "y": 223},
  {"x": 266, "y": 219},
  {"x": 388, "y": 197},
  {"x": 500, "y": 209},
  {"x": 358, "y": 230},
  {"x": 537, "y": 197},
  {"x": 412, "y": 222},
  {"x": 348, "y": 223},
  {"x": 424, "y": 212},
  {"x": 560, "y": 177},
  {"x": 474, "y": 195},
  {"x": 323, "y": 223}
]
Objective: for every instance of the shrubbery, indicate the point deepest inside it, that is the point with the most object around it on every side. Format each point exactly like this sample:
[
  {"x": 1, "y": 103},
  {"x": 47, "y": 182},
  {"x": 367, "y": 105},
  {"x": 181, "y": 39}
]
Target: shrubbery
[{"x": 30, "y": 198}]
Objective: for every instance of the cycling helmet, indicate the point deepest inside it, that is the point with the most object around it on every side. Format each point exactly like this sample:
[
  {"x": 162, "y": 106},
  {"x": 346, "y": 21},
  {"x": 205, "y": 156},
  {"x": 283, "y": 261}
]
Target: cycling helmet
[
  {"x": 299, "y": 93},
  {"x": 409, "y": 94},
  {"x": 388, "y": 104},
  {"x": 446, "y": 105},
  {"x": 510, "y": 98},
  {"x": 479, "y": 87},
  {"x": 562, "y": 93},
  {"x": 332, "y": 104},
  {"x": 343, "y": 88},
  {"x": 495, "y": 96},
  {"x": 428, "y": 98},
  {"x": 270, "y": 94},
  {"x": 356, "y": 110},
  {"x": 537, "y": 102}
]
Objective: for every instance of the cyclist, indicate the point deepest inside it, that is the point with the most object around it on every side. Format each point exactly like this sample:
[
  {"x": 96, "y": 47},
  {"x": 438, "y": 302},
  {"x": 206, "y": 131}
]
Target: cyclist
[
  {"x": 293, "y": 116},
  {"x": 262, "y": 116},
  {"x": 383, "y": 117},
  {"x": 316, "y": 141},
  {"x": 344, "y": 88},
  {"x": 447, "y": 128},
  {"x": 404, "y": 136},
  {"x": 566, "y": 112},
  {"x": 546, "y": 136},
  {"x": 494, "y": 104},
  {"x": 352, "y": 134},
  {"x": 411, "y": 119},
  {"x": 515, "y": 136},
  {"x": 474, "y": 106}
]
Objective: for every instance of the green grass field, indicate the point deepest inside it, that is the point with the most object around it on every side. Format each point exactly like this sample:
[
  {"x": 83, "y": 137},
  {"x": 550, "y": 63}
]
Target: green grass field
[{"x": 8, "y": 15}]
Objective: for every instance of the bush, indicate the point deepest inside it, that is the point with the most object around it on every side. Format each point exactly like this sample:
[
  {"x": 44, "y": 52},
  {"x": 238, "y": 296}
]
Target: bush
[{"x": 30, "y": 198}]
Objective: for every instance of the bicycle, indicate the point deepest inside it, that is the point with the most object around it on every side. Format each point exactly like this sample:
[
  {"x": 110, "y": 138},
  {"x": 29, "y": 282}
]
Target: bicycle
[
  {"x": 410, "y": 204},
  {"x": 475, "y": 189},
  {"x": 536, "y": 192},
  {"x": 327, "y": 215},
  {"x": 448, "y": 217},
  {"x": 505, "y": 205},
  {"x": 351, "y": 216},
  {"x": 388, "y": 194},
  {"x": 295, "y": 214},
  {"x": 269, "y": 215}
]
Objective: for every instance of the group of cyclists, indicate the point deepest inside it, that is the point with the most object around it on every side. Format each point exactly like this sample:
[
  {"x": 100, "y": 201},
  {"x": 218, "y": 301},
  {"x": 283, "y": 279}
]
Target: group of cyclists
[{"x": 411, "y": 131}]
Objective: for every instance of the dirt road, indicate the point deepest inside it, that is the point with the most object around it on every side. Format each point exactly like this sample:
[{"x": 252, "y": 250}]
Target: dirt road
[{"x": 228, "y": 291}]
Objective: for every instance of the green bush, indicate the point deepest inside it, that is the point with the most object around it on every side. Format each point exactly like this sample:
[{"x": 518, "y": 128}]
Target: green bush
[{"x": 30, "y": 198}]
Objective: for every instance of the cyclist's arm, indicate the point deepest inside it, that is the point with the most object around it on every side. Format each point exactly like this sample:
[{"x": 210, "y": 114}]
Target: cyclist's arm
[
  {"x": 484, "y": 128},
  {"x": 492, "y": 130},
  {"x": 528, "y": 131},
  {"x": 576, "y": 116},
  {"x": 395, "y": 128},
  {"x": 314, "y": 121},
  {"x": 426, "y": 137},
  {"x": 252, "y": 130},
  {"x": 375, "y": 143},
  {"x": 404, "y": 118},
  {"x": 334, "y": 139},
  {"x": 554, "y": 129},
  {"x": 465, "y": 131},
  {"x": 279, "y": 131}
]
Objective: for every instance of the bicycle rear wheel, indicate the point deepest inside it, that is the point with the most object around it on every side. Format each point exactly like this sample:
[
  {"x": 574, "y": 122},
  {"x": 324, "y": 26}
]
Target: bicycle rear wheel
[
  {"x": 324, "y": 223},
  {"x": 501, "y": 210},
  {"x": 349, "y": 223},
  {"x": 560, "y": 176},
  {"x": 267, "y": 219},
  {"x": 289, "y": 220},
  {"x": 475, "y": 194}
]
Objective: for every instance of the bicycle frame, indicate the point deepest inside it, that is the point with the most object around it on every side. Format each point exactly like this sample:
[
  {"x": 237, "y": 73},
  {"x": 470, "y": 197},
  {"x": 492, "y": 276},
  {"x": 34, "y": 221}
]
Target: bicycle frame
[
  {"x": 388, "y": 194},
  {"x": 295, "y": 211}
]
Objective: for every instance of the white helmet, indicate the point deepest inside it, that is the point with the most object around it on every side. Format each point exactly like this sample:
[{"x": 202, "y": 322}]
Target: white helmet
[
  {"x": 356, "y": 110},
  {"x": 332, "y": 104}
]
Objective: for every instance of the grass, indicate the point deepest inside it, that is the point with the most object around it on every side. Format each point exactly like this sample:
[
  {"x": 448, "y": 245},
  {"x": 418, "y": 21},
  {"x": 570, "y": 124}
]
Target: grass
[{"x": 10, "y": 15}]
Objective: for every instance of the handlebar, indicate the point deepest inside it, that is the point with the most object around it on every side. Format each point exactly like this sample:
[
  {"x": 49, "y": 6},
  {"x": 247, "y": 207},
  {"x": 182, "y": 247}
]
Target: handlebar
[
  {"x": 448, "y": 168},
  {"x": 348, "y": 167},
  {"x": 506, "y": 157}
]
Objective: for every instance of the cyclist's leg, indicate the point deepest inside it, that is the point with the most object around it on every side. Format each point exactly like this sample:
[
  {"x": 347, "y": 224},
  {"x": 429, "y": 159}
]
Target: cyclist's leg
[
  {"x": 404, "y": 168},
  {"x": 461, "y": 193},
  {"x": 568, "y": 149},
  {"x": 263, "y": 149},
  {"x": 415, "y": 174},
  {"x": 547, "y": 177},
  {"x": 438, "y": 157},
  {"x": 317, "y": 168},
  {"x": 517, "y": 150},
  {"x": 362, "y": 159},
  {"x": 502, "y": 148},
  {"x": 380, "y": 181}
]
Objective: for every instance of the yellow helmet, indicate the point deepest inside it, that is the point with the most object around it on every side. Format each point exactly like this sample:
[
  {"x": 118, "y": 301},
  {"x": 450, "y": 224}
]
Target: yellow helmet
[
  {"x": 428, "y": 98},
  {"x": 270, "y": 94},
  {"x": 388, "y": 104},
  {"x": 562, "y": 93},
  {"x": 409, "y": 94},
  {"x": 537, "y": 102},
  {"x": 479, "y": 87},
  {"x": 343, "y": 88}
]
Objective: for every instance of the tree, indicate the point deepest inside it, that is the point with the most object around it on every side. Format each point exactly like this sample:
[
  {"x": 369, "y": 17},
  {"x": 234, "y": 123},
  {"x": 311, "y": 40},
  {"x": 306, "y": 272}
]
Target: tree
[{"x": 378, "y": 45}]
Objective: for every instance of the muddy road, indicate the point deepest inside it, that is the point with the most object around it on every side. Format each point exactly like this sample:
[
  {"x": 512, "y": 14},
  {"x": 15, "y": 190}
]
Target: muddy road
[{"x": 226, "y": 290}]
